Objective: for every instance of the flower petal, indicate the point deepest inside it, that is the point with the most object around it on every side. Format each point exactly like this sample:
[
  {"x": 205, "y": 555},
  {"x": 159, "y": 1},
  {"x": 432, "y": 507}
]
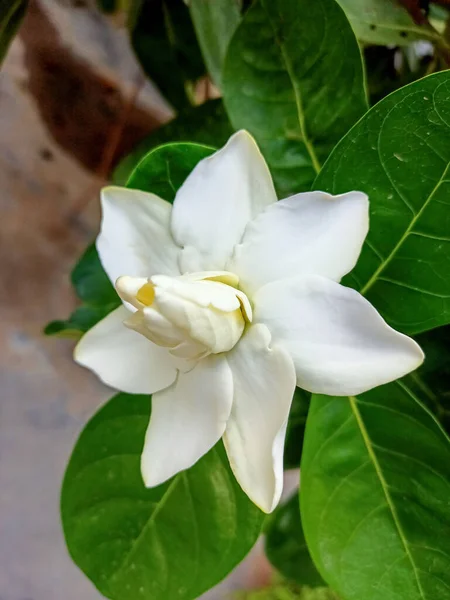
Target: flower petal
[
  {"x": 340, "y": 345},
  {"x": 264, "y": 384},
  {"x": 215, "y": 203},
  {"x": 124, "y": 359},
  {"x": 310, "y": 233},
  {"x": 187, "y": 420},
  {"x": 135, "y": 236}
]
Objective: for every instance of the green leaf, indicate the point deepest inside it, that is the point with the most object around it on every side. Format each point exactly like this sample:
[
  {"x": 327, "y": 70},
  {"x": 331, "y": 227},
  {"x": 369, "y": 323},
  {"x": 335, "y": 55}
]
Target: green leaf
[
  {"x": 91, "y": 282},
  {"x": 11, "y": 15},
  {"x": 399, "y": 154},
  {"x": 93, "y": 287},
  {"x": 163, "y": 170},
  {"x": 172, "y": 542},
  {"x": 385, "y": 22},
  {"x": 296, "y": 429},
  {"x": 215, "y": 22},
  {"x": 286, "y": 545},
  {"x": 293, "y": 77},
  {"x": 81, "y": 320},
  {"x": 205, "y": 124},
  {"x": 164, "y": 40},
  {"x": 374, "y": 496}
]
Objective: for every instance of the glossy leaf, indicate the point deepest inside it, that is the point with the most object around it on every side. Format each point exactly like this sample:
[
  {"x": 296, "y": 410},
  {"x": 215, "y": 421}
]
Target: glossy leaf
[
  {"x": 205, "y": 124},
  {"x": 385, "y": 22},
  {"x": 164, "y": 40},
  {"x": 11, "y": 15},
  {"x": 163, "y": 171},
  {"x": 399, "y": 154},
  {"x": 374, "y": 496},
  {"x": 293, "y": 77},
  {"x": 286, "y": 545},
  {"x": 215, "y": 22},
  {"x": 172, "y": 542}
]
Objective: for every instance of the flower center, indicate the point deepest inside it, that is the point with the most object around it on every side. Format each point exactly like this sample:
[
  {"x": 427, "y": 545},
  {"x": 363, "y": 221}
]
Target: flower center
[
  {"x": 146, "y": 294},
  {"x": 192, "y": 315}
]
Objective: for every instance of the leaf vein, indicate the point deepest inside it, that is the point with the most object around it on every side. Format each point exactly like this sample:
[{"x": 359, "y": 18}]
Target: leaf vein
[{"x": 385, "y": 488}]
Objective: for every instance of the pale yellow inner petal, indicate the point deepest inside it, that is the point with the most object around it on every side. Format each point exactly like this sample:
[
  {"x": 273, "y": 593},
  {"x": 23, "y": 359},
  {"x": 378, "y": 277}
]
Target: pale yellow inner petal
[{"x": 146, "y": 294}]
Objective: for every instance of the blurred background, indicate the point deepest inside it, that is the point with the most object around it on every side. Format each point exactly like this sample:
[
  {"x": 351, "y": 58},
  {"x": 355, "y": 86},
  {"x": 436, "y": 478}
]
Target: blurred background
[{"x": 72, "y": 99}]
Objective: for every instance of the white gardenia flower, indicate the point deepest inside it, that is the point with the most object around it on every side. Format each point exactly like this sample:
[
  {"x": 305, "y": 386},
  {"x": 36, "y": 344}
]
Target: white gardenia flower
[{"x": 230, "y": 300}]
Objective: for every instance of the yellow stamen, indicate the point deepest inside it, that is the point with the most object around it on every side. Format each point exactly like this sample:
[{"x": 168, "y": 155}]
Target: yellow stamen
[{"x": 146, "y": 294}]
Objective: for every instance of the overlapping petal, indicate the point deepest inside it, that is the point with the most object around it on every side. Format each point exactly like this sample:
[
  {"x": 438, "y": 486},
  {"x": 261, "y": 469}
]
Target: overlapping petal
[
  {"x": 339, "y": 343},
  {"x": 215, "y": 203},
  {"x": 264, "y": 384},
  {"x": 124, "y": 359},
  {"x": 135, "y": 236},
  {"x": 187, "y": 420},
  {"x": 309, "y": 233}
]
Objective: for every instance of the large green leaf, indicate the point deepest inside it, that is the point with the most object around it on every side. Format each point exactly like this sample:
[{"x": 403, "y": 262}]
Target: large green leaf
[
  {"x": 164, "y": 40},
  {"x": 163, "y": 171},
  {"x": 205, "y": 124},
  {"x": 11, "y": 15},
  {"x": 293, "y": 77},
  {"x": 286, "y": 545},
  {"x": 399, "y": 154},
  {"x": 215, "y": 23},
  {"x": 385, "y": 22},
  {"x": 172, "y": 542},
  {"x": 375, "y": 492}
]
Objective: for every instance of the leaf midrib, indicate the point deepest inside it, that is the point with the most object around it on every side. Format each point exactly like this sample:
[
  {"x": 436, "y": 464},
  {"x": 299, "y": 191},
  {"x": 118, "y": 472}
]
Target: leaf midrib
[
  {"x": 373, "y": 279},
  {"x": 150, "y": 521},
  {"x": 385, "y": 488},
  {"x": 298, "y": 98}
]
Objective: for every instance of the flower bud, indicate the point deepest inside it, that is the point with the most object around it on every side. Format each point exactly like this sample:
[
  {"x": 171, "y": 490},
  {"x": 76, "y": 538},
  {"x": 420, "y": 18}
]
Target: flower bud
[{"x": 193, "y": 315}]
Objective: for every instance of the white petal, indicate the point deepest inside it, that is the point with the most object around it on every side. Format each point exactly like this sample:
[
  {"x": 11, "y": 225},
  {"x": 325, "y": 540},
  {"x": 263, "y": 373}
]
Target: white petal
[
  {"x": 264, "y": 384},
  {"x": 124, "y": 359},
  {"x": 135, "y": 236},
  {"x": 340, "y": 345},
  {"x": 310, "y": 233},
  {"x": 187, "y": 420},
  {"x": 215, "y": 203}
]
